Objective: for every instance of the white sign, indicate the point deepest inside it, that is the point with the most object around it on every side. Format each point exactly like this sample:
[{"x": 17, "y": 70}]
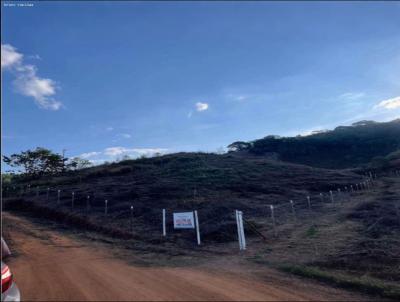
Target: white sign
[{"x": 183, "y": 220}]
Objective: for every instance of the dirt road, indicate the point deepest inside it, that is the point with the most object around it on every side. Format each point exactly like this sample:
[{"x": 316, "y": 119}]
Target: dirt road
[{"x": 51, "y": 266}]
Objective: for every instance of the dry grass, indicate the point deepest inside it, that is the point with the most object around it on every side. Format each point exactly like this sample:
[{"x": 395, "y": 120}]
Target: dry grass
[{"x": 358, "y": 236}]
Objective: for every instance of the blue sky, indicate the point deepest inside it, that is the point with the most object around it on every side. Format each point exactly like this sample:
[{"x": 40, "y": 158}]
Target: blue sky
[{"x": 109, "y": 79}]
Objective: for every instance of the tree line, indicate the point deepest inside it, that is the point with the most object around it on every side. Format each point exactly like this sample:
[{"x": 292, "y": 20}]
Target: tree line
[{"x": 42, "y": 161}]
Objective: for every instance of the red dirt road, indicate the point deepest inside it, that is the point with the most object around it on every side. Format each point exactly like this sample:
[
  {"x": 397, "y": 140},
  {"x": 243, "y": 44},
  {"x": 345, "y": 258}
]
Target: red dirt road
[{"x": 52, "y": 266}]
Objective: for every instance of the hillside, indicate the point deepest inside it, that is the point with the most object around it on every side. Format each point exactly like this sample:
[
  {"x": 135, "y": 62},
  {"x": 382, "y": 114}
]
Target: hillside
[
  {"x": 351, "y": 242},
  {"x": 348, "y": 237},
  {"x": 213, "y": 184},
  {"x": 343, "y": 147}
]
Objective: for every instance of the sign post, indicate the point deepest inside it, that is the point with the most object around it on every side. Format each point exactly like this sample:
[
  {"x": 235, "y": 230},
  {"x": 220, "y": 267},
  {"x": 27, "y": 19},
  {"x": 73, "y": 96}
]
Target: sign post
[
  {"x": 242, "y": 230},
  {"x": 239, "y": 223},
  {"x": 196, "y": 218}
]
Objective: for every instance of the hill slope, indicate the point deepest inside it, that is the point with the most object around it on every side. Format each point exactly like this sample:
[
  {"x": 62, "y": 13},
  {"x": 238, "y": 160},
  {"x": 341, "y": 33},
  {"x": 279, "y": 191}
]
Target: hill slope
[
  {"x": 343, "y": 147},
  {"x": 213, "y": 184},
  {"x": 328, "y": 241}
]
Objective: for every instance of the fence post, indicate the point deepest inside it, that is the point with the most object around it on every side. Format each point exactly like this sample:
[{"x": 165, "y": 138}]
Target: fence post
[
  {"x": 273, "y": 218},
  {"x": 105, "y": 207},
  {"x": 331, "y": 194},
  {"x": 48, "y": 193},
  {"x": 163, "y": 225},
  {"x": 58, "y": 196},
  {"x": 242, "y": 230},
  {"x": 131, "y": 219},
  {"x": 196, "y": 218},
  {"x": 87, "y": 204},
  {"x": 238, "y": 229},
  {"x": 72, "y": 199},
  {"x": 322, "y": 197},
  {"x": 339, "y": 195},
  {"x": 309, "y": 202},
  {"x": 293, "y": 211}
]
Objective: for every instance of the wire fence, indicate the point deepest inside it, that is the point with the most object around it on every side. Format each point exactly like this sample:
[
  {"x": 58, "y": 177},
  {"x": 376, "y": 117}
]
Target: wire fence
[{"x": 218, "y": 226}]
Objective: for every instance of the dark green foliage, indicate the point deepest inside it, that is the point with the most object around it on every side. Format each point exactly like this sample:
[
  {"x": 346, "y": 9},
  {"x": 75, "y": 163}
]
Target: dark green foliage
[
  {"x": 43, "y": 161},
  {"x": 343, "y": 147},
  {"x": 36, "y": 162}
]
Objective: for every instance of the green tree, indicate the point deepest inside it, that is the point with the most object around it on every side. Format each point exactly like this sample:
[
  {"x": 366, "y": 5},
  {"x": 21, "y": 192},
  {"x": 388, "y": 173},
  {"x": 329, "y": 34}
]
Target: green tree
[
  {"x": 239, "y": 146},
  {"x": 36, "y": 162},
  {"x": 78, "y": 163}
]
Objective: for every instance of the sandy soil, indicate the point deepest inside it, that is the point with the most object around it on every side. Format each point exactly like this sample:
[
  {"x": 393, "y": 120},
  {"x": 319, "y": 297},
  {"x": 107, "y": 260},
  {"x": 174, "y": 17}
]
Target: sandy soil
[{"x": 49, "y": 265}]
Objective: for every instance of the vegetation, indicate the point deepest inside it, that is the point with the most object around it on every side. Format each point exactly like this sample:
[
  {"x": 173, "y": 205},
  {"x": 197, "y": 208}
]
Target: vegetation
[
  {"x": 353, "y": 243},
  {"x": 364, "y": 283},
  {"x": 43, "y": 161},
  {"x": 343, "y": 147}
]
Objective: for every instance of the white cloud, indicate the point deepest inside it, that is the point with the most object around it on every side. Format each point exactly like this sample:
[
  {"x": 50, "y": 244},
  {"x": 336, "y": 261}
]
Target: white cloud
[
  {"x": 125, "y": 135},
  {"x": 89, "y": 154},
  {"x": 116, "y": 153},
  {"x": 352, "y": 95},
  {"x": 201, "y": 106},
  {"x": 390, "y": 104},
  {"x": 239, "y": 97},
  {"x": 27, "y": 82},
  {"x": 9, "y": 56}
]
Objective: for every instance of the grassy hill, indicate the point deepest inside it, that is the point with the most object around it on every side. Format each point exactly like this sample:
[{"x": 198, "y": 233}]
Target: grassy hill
[
  {"x": 343, "y": 147},
  {"x": 351, "y": 242},
  {"x": 185, "y": 181}
]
